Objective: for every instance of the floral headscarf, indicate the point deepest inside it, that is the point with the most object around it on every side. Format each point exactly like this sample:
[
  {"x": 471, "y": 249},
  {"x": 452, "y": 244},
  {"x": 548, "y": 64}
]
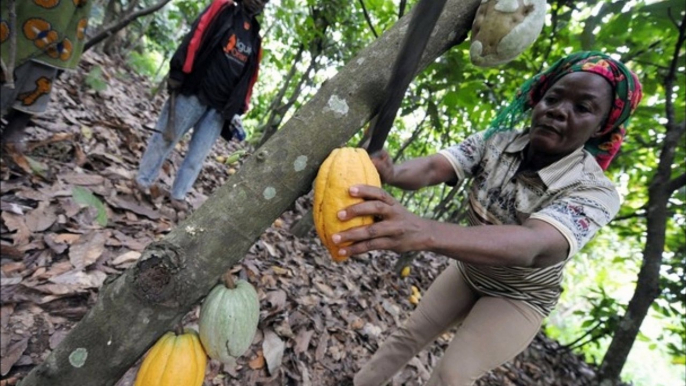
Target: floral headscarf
[{"x": 625, "y": 86}]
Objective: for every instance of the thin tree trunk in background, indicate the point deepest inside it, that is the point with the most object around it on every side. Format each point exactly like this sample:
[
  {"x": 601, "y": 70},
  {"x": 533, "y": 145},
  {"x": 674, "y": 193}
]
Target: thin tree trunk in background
[
  {"x": 304, "y": 226},
  {"x": 133, "y": 44},
  {"x": 115, "y": 42},
  {"x": 369, "y": 20},
  {"x": 276, "y": 108},
  {"x": 659, "y": 192},
  {"x": 323, "y": 18},
  {"x": 111, "y": 29},
  {"x": 174, "y": 274}
]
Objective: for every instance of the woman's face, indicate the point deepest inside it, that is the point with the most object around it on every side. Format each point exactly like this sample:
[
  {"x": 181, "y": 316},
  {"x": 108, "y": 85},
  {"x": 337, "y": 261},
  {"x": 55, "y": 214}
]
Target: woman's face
[{"x": 570, "y": 113}]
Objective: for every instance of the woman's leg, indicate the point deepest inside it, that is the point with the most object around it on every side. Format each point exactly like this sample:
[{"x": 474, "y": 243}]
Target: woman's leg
[
  {"x": 495, "y": 331},
  {"x": 205, "y": 134},
  {"x": 447, "y": 301},
  {"x": 188, "y": 112},
  {"x": 30, "y": 96}
]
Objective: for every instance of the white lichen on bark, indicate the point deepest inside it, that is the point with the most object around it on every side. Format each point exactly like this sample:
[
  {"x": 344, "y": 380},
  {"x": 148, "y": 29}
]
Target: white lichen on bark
[
  {"x": 300, "y": 163},
  {"x": 269, "y": 193},
  {"x": 338, "y": 105},
  {"x": 78, "y": 357}
]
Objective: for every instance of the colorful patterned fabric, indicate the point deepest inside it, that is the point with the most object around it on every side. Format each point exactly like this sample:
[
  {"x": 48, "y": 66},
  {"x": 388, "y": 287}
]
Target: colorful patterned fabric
[
  {"x": 627, "y": 93},
  {"x": 52, "y": 32},
  {"x": 573, "y": 195},
  {"x": 31, "y": 92}
]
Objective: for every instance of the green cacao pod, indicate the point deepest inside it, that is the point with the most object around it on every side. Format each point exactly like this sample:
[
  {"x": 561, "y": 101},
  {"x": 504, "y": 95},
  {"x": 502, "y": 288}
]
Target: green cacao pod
[{"x": 228, "y": 319}]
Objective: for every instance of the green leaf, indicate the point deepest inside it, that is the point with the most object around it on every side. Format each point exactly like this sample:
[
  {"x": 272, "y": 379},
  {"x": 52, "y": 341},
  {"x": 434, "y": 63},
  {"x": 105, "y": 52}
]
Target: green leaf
[
  {"x": 37, "y": 167},
  {"x": 84, "y": 196},
  {"x": 94, "y": 79}
]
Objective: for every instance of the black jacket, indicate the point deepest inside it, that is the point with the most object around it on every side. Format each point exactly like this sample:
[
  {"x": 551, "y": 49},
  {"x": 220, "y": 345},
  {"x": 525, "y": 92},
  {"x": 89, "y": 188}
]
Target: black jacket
[{"x": 188, "y": 65}]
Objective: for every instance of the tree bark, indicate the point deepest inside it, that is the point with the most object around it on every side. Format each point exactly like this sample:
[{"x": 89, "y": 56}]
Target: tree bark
[
  {"x": 659, "y": 192},
  {"x": 174, "y": 274}
]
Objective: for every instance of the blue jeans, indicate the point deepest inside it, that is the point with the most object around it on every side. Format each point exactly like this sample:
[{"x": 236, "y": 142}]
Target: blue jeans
[{"x": 207, "y": 125}]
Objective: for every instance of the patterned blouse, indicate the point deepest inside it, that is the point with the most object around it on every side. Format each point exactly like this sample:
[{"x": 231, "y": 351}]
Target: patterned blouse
[{"x": 572, "y": 194}]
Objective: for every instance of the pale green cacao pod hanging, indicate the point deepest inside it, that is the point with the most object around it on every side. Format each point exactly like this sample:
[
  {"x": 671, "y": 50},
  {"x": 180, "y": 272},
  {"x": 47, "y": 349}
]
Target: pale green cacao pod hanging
[{"x": 228, "y": 320}]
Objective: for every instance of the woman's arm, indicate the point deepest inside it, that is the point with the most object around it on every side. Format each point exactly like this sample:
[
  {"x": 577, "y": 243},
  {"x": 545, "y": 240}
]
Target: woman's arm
[
  {"x": 533, "y": 244},
  {"x": 416, "y": 173}
]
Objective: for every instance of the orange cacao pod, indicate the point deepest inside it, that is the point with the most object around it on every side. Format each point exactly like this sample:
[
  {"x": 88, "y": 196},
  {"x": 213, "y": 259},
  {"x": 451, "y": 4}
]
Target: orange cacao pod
[{"x": 343, "y": 168}]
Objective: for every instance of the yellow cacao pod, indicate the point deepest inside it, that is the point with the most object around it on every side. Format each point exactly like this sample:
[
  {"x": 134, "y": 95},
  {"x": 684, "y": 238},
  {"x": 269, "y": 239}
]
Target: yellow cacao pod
[
  {"x": 405, "y": 271},
  {"x": 343, "y": 168},
  {"x": 415, "y": 292},
  {"x": 175, "y": 360}
]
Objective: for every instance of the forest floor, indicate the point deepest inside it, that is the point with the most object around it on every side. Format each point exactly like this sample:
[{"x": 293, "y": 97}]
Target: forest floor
[{"x": 319, "y": 321}]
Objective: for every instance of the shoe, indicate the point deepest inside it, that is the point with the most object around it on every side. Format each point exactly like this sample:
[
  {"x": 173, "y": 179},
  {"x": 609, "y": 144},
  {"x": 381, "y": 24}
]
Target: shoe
[
  {"x": 145, "y": 190},
  {"x": 179, "y": 205}
]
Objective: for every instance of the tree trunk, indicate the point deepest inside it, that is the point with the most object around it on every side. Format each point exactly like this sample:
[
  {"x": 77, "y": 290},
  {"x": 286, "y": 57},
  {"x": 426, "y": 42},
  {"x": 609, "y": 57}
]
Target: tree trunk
[
  {"x": 659, "y": 192},
  {"x": 174, "y": 274},
  {"x": 304, "y": 226},
  {"x": 648, "y": 284}
]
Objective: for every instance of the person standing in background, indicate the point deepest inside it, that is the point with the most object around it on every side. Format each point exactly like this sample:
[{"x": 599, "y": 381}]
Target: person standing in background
[{"x": 210, "y": 82}]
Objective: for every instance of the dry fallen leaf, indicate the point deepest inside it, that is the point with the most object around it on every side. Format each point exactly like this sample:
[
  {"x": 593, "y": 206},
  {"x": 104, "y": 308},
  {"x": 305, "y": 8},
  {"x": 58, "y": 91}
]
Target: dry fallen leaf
[
  {"x": 257, "y": 362},
  {"x": 16, "y": 223},
  {"x": 5, "y": 281},
  {"x": 273, "y": 348},
  {"x": 56, "y": 338},
  {"x": 87, "y": 250},
  {"x": 302, "y": 340},
  {"x": 278, "y": 270},
  {"x": 13, "y": 355},
  {"x": 126, "y": 259},
  {"x": 80, "y": 279},
  {"x": 357, "y": 324},
  {"x": 82, "y": 179},
  {"x": 41, "y": 218},
  {"x": 68, "y": 238}
]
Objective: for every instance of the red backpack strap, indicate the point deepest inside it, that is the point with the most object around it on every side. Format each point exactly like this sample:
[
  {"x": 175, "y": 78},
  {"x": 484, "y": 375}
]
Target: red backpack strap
[{"x": 198, "y": 35}]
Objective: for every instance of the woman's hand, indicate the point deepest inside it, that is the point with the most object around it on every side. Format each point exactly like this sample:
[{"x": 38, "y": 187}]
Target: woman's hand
[
  {"x": 384, "y": 165},
  {"x": 396, "y": 229}
]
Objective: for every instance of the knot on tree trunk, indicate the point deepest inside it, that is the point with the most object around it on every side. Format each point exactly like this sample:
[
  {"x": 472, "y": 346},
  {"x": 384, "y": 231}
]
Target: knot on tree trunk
[{"x": 154, "y": 275}]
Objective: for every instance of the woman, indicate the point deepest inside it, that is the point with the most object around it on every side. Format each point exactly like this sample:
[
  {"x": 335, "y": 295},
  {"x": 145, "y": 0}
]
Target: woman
[
  {"x": 536, "y": 197},
  {"x": 49, "y": 36}
]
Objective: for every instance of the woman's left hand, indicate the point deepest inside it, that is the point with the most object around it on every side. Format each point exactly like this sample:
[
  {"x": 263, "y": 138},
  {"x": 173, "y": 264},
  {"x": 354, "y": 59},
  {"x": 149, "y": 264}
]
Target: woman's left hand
[{"x": 396, "y": 229}]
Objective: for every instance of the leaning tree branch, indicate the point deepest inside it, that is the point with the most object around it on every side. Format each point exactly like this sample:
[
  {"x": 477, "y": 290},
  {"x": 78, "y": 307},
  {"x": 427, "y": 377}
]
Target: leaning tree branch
[
  {"x": 641, "y": 213},
  {"x": 676, "y": 183},
  {"x": 554, "y": 19},
  {"x": 175, "y": 273},
  {"x": 369, "y": 19},
  {"x": 118, "y": 25},
  {"x": 401, "y": 8}
]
